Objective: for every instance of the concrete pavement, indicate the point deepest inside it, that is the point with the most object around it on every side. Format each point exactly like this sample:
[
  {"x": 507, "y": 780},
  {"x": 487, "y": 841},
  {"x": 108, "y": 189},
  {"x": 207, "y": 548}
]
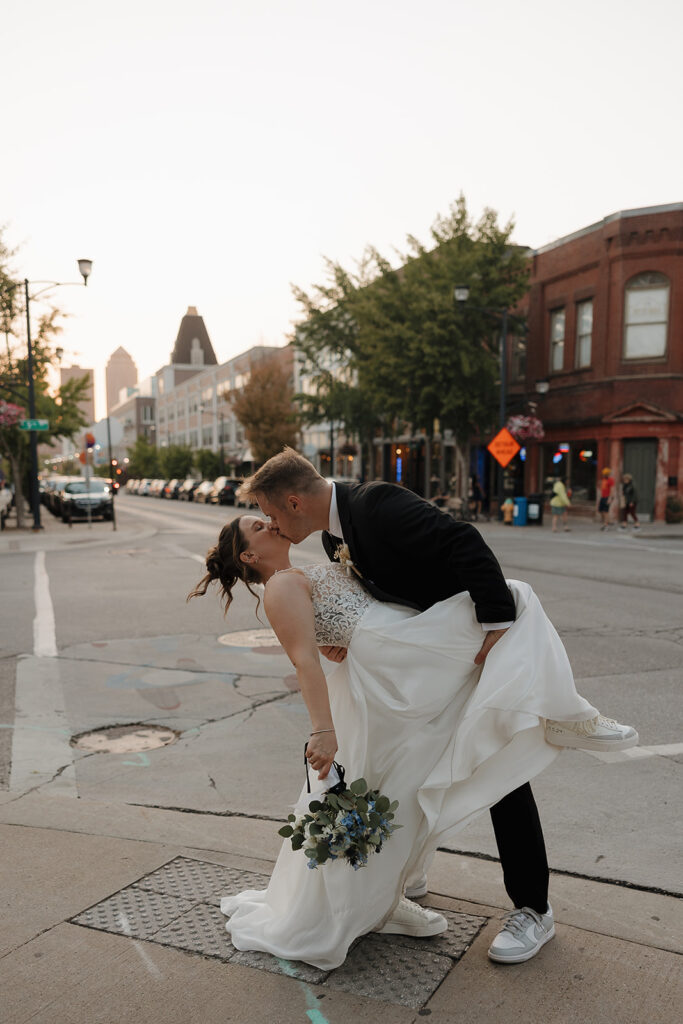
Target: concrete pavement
[
  {"x": 615, "y": 958},
  {"x": 89, "y": 933}
]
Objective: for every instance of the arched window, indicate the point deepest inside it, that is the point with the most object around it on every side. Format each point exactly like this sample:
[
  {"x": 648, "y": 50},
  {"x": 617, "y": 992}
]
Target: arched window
[{"x": 646, "y": 316}]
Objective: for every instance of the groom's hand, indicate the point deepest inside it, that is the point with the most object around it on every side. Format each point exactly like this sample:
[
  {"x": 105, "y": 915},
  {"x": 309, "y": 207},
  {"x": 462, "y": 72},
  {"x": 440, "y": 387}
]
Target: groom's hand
[
  {"x": 492, "y": 637},
  {"x": 333, "y": 653}
]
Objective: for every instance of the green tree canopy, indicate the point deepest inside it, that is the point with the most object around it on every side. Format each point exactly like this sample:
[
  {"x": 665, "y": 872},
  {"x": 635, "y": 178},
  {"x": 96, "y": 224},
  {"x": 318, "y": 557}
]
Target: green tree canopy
[
  {"x": 208, "y": 464},
  {"x": 175, "y": 462},
  {"x": 409, "y": 356},
  {"x": 143, "y": 460}
]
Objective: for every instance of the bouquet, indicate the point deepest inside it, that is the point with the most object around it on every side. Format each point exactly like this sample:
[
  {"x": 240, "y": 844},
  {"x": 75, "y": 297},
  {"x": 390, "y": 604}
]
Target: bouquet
[{"x": 345, "y": 824}]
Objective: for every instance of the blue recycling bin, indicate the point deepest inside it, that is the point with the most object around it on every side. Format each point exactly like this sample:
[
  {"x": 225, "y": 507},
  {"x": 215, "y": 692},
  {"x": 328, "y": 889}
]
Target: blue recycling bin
[{"x": 519, "y": 516}]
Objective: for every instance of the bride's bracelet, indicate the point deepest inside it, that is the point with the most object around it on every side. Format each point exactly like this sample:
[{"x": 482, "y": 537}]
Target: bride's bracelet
[{"x": 322, "y": 730}]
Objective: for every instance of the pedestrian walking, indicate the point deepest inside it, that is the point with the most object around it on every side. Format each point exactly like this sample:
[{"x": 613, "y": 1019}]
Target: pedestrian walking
[
  {"x": 628, "y": 499},
  {"x": 559, "y": 505},
  {"x": 606, "y": 487}
]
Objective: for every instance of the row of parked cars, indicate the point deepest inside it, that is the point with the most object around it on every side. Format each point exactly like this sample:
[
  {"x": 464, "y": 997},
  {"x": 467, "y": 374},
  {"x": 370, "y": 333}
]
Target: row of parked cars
[
  {"x": 222, "y": 491},
  {"x": 72, "y": 497}
]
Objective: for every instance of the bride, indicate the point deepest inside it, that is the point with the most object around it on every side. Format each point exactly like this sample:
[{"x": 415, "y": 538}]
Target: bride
[{"x": 409, "y": 711}]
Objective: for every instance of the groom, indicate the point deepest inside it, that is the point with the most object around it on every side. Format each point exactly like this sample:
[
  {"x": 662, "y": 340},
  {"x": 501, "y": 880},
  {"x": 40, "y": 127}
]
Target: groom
[{"x": 405, "y": 550}]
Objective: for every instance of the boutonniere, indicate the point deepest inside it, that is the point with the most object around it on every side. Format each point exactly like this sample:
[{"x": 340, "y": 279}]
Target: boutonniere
[{"x": 343, "y": 556}]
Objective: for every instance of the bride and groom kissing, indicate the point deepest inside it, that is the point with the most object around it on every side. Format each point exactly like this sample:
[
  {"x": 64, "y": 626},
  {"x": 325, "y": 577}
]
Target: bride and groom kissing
[{"x": 446, "y": 687}]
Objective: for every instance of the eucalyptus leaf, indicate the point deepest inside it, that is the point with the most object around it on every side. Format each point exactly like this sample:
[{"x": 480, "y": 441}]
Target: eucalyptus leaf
[{"x": 286, "y": 831}]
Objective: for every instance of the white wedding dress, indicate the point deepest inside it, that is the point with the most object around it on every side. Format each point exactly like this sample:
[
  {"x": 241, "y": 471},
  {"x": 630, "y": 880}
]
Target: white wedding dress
[{"x": 419, "y": 721}]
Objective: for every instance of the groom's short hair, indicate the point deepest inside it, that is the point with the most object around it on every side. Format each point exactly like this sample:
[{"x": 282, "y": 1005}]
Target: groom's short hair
[{"x": 284, "y": 473}]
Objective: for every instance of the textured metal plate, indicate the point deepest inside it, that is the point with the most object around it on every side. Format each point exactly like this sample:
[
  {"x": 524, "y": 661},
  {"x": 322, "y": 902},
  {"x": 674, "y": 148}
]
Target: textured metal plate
[
  {"x": 134, "y": 912},
  {"x": 277, "y": 965},
  {"x": 201, "y": 930},
  {"x": 396, "y": 974},
  {"x": 462, "y": 930},
  {"x": 201, "y": 881}
]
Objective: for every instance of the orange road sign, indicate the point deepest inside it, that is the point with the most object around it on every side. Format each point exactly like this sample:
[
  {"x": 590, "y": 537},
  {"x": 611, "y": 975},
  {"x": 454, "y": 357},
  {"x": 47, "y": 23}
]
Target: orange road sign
[{"x": 503, "y": 447}]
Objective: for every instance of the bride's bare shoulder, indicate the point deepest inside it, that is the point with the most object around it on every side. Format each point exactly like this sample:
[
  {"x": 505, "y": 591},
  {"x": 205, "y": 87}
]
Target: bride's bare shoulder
[{"x": 285, "y": 582}]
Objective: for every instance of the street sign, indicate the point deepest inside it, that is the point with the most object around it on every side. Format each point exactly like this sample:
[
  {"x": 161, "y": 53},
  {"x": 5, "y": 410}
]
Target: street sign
[
  {"x": 34, "y": 425},
  {"x": 503, "y": 447}
]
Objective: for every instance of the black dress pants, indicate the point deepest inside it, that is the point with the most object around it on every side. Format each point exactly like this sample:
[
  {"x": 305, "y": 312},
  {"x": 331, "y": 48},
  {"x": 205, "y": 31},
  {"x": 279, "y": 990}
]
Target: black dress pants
[{"x": 521, "y": 847}]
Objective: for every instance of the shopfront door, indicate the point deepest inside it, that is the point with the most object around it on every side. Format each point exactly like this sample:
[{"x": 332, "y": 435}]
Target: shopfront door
[{"x": 640, "y": 460}]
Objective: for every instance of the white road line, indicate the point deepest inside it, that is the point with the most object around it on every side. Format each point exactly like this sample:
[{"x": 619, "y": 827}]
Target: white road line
[
  {"x": 176, "y": 549},
  {"x": 44, "y": 639},
  {"x": 636, "y": 753},
  {"x": 40, "y": 741}
]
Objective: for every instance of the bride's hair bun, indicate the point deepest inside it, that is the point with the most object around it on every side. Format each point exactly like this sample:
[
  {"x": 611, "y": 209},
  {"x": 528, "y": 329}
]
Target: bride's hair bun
[{"x": 223, "y": 564}]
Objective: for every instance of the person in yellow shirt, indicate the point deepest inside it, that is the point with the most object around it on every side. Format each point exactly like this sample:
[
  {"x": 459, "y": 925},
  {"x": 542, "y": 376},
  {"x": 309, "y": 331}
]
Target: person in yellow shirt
[{"x": 559, "y": 505}]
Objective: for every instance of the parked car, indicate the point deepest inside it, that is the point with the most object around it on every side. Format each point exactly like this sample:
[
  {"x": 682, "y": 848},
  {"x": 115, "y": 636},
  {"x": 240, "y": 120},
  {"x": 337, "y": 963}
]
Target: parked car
[
  {"x": 132, "y": 485},
  {"x": 187, "y": 489},
  {"x": 143, "y": 489},
  {"x": 202, "y": 492},
  {"x": 223, "y": 492},
  {"x": 240, "y": 502},
  {"x": 171, "y": 489},
  {"x": 80, "y": 499}
]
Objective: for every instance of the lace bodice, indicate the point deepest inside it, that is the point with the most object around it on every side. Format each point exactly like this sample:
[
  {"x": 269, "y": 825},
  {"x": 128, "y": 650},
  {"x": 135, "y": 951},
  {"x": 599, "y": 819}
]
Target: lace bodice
[{"x": 338, "y": 603}]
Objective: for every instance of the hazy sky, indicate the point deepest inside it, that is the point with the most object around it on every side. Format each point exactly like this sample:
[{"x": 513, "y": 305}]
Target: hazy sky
[{"x": 209, "y": 153}]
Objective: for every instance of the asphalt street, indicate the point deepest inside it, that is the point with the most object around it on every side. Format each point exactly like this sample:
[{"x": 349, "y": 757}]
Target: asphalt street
[{"x": 130, "y": 649}]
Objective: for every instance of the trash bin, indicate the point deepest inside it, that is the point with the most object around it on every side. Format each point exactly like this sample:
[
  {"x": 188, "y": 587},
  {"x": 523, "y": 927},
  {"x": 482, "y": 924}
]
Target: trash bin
[
  {"x": 535, "y": 510},
  {"x": 520, "y": 513}
]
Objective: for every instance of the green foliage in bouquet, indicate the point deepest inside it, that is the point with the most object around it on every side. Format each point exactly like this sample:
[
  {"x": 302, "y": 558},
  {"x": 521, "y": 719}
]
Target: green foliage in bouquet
[{"x": 347, "y": 825}]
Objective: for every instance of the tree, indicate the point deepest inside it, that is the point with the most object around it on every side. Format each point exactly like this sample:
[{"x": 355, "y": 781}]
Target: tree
[
  {"x": 61, "y": 408},
  {"x": 143, "y": 460},
  {"x": 208, "y": 464},
  {"x": 175, "y": 462},
  {"x": 414, "y": 358},
  {"x": 266, "y": 410}
]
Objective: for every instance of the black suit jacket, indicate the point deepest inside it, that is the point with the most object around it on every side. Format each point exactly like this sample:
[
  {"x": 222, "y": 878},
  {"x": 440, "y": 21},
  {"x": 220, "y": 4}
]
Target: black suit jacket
[{"x": 408, "y": 550}]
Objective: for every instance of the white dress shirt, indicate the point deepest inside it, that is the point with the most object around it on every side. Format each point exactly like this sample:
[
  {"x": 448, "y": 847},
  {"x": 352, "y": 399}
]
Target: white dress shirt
[{"x": 335, "y": 528}]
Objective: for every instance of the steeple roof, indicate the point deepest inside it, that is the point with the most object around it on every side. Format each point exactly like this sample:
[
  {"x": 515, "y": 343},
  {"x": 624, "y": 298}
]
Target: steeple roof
[{"x": 193, "y": 345}]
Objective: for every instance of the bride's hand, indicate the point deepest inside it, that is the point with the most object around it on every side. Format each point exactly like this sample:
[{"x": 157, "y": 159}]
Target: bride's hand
[
  {"x": 320, "y": 752},
  {"x": 492, "y": 637}
]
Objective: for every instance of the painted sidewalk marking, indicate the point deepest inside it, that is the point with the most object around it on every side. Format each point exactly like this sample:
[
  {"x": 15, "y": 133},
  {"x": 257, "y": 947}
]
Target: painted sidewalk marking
[{"x": 41, "y": 751}]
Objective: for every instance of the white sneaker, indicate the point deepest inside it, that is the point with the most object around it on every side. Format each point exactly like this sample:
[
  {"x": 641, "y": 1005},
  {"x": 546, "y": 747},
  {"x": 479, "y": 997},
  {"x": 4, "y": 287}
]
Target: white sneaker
[
  {"x": 410, "y": 919},
  {"x": 417, "y": 889},
  {"x": 523, "y": 934},
  {"x": 599, "y": 733}
]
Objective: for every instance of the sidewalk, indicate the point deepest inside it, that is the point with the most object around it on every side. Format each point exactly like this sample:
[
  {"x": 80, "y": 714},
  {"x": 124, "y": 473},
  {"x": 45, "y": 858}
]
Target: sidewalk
[
  {"x": 111, "y": 918},
  {"x": 56, "y": 535}
]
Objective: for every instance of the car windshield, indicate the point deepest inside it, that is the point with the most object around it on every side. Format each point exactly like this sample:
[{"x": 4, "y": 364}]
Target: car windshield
[{"x": 96, "y": 487}]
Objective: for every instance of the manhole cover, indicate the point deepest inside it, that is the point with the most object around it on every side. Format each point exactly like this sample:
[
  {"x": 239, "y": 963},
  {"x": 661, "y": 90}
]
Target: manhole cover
[
  {"x": 124, "y": 739},
  {"x": 250, "y": 638}
]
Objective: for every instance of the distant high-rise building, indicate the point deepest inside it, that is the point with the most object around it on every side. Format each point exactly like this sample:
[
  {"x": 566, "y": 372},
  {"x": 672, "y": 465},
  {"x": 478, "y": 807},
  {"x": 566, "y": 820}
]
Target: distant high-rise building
[
  {"x": 87, "y": 404},
  {"x": 121, "y": 372}
]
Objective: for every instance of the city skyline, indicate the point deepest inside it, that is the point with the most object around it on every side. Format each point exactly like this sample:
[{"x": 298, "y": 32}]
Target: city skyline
[{"x": 214, "y": 157}]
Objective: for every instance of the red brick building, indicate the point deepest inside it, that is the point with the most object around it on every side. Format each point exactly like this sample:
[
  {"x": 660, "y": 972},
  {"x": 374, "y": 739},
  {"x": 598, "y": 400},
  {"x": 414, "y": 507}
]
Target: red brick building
[{"x": 603, "y": 359}]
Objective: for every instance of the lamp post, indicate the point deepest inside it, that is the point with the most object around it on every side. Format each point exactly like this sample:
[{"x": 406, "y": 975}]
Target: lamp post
[
  {"x": 461, "y": 294},
  {"x": 85, "y": 269}
]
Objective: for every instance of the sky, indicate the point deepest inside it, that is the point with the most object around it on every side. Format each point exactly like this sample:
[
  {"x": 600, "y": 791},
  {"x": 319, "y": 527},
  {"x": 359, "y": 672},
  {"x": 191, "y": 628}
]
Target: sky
[{"x": 212, "y": 153}]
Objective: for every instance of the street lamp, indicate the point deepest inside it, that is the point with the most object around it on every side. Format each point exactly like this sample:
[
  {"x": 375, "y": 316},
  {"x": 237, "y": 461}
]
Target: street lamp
[
  {"x": 85, "y": 269},
  {"x": 461, "y": 294}
]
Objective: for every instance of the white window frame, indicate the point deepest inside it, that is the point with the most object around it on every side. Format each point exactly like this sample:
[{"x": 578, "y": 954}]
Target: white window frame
[
  {"x": 557, "y": 343},
  {"x": 646, "y": 331},
  {"x": 584, "y": 338}
]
